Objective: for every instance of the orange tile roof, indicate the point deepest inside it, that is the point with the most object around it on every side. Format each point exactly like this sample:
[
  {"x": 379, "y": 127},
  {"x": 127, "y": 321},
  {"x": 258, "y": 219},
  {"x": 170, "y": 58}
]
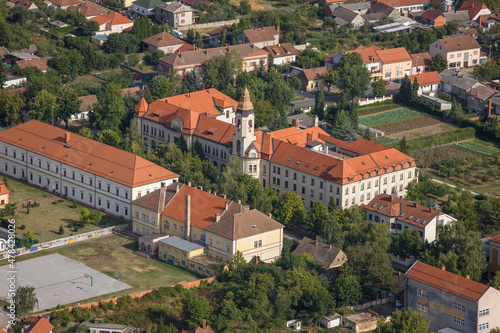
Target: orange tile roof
[
  {"x": 215, "y": 130},
  {"x": 3, "y": 189},
  {"x": 85, "y": 154},
  {"x": 40, "y": 63},
  {"x": 403, "y": 3},
  {"x": 495, "y": 239},
  {"x": 431, "y": 15},
  {"x": 447, "y": 281},
  {"x": 473, "y": 7},
  {"x": 114, "y": 18},
  {"x": 367, "y": 53},
  {"x": 263, "y": 34},
  {"x": 163, "y": 39},
  {"x": 425, "y": 79},
  {"x": 391, "y": 56},
  {"x": 40, "y": 326},
  {"x": 142, "y": 107},
  {"x": 421, "y": 59},
  {"x": 296, "y": 136},
  {"x": 281, "y": 50},
  {"x": 61, "y": 3},
  {"x": 314, "y": 73},
  {"x": 88, "y": 9}
]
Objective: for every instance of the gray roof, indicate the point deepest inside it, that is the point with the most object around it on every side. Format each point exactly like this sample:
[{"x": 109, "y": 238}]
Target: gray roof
[
  {"x": 462, "y": 15},
  {"x": 357, "y": 5},
  {"x": 454, "y": 79},
  {"x": 344, "y": 14},
  {"x": 4, "y": 233},
  {"x": 495, "y": 99},
  {"x": 373, "y": 16},
  {"x": 181, "y": 244},
  {"x": 149, "y": 4},
  {"x": 174, "y": 7},
  {"x": 324, "y": 254}
]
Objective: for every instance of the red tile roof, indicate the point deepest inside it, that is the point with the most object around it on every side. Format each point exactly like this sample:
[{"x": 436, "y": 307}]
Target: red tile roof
[
  {"x": 431, "y": 15},
  {"x": 447, "y": 281},
  {"x": 425, "y": 79},
  {"x": 314, "y": 73},
  {"x": 40, "y": 63},
  {"x": 62, "y": 3},
  {"x": 215, "y": 130},
  {"x": 85, "y": 154},
  {"x": 421, "y": 59},
  {"x": 367, "y": 53},
  {"x": 40, "y": 326},
  {"x": 391, "y": 56},
  {"x": 495, "y": 239},
  {"x": 114, "y": 18},
  {"x": 263, "y": 34},
  {"x": 88, "y": 9},
  {"x": 473, "y": 7},
  {"x": 3, "y": 189},
  {"x": 281, "y": 50},
  {"x": 404, "y": 3},
  {"x": 163, "y": 39},
  {"x": 87, "y": 102}
]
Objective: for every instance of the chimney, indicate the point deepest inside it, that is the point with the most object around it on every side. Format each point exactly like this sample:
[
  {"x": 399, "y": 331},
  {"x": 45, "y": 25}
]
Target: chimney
[
  {"x": 270, "y": 215},
  {"x": 391, "y": 198},
  {"x": 297, "y": 123},
  {"x": 177, "y": 187},
  {"x": 448, "y": 8},
  {"x": 180, "y": 54},
  {"x": 67, "y": 136},
  {"x": 330, "y": 246},
  {"x": 415, "y": 204},
  {"x": 316, "y": 241},
  {"x": 227, "y": 206},
  {"x": 224, "y": 196},
  {"x": 201, "y": 188},
  {"x": 217, "y": 217},
  {"x": 489, "y": 108},
  {"x": 468, "y": 277},
  {"x": 325, "y": 148},
  {"x": 239, "y": 202},
  {"x": 204, "y": 323},
  {"x": 316, "y": 121},
  {"x": 188, "y": 216},
  {"x": 278, "y": 28},
  {"x": 189, "y": 183},
  {"x": 205, "y": 51},
  {"x": 443, "y": 268}
]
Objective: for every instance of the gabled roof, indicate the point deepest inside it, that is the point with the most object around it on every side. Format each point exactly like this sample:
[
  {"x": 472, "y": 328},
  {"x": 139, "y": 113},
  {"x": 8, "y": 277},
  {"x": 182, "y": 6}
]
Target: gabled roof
[
  {"x": 87, "y": 102},
  {"x": 3, "y": 189},
  {"x": 394, "y": 55},
  {"x": 88, "y": 9},
  {"x": 40, "y": 325},
  {"x": 163, "y": 39},
  {"x": 459, "y": 43},
  {"x": 148, "y": 4},
  {"x": 482, "y": 92},
  {"x": 85, "y": 154},
  {"x": 215, "y": 130},
  {"x": 239, "y": 222},
  {"x": 344, "y": 14},
  {"x": 263, "y": 34},
  {"x": 447, "y": 281},
  {"x": 425, "y": 79},
  {"x": 314, "y": 73},
  {"x": 379, "y": 7},
  {"x": 495, "y": 239},
  {"x": 368, "y": 54},
  {"x": 456, "y": 16},
  {"x": 473, "y": 7},
  {"x": 404, "y": 3},
  {"x": 40, "y": 63},
  {"x": 432, "y": 14},
  {"x": 62, "y": 3},
  {"x": 357, "y": 5},
  {"x": 454, "y": 79},
  {"x": 323, "y": 253},
  {"x": 114, "y": 18},
  {"x": 174, "y": 7},
  {"x": 281, "y": 50},
  {"x": 421, "y": 59},
  {"x": 195, "y": 3}
]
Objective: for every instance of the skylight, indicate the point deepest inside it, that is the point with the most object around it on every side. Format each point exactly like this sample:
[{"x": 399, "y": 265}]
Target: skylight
[
  {"x": 374, "y": 205},
  {"x": 298, "y": 162},
  {"x": 307, "y": 165},
  {"x": 418, "y": 219},
  {"x": 410, "y": 217},
  {"x": 402, "y": 214},
  {"x": 289, "y": 159},
  {"x": 423, "y": 222}
]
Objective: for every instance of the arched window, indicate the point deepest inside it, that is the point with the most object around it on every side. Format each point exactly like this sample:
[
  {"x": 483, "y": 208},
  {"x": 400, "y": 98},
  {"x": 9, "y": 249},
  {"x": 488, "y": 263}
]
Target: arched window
[
  {"x": 250, "y": 126},
  {"x": 238, "y": 147},
  {"x": 238, "y": 123}
]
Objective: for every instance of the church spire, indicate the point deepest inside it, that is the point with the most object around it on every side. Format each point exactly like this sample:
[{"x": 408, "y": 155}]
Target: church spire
[{"x": 245, "y": 104}]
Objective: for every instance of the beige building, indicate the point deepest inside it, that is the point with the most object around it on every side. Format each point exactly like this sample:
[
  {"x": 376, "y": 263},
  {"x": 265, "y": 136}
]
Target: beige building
[
  {"x": 460, "y": 51},
  {"x": 175, "y": 14},
  {"x": 113, "y": 23},
  {"x": 260, "y": 37},
  {"x": 223, "y": 227},
  {"x": 312, "y": 79},
  {"x": 4, "y": 194}
]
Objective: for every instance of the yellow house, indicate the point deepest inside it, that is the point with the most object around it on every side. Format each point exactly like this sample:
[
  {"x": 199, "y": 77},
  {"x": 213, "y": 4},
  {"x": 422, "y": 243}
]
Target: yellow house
[
  {"x": 396, "y": 63},
  {"x": 4, "y": 194}
]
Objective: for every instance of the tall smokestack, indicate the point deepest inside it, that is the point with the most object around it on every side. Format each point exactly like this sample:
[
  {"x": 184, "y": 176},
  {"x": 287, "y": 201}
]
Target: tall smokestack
[{"x": 188, "y": 216}]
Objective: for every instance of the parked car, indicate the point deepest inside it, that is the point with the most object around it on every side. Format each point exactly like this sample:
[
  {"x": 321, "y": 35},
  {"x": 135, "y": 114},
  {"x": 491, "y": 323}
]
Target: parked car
[
  {"x": 397, "y": 80},
  {"x": 387, "y": 83}
]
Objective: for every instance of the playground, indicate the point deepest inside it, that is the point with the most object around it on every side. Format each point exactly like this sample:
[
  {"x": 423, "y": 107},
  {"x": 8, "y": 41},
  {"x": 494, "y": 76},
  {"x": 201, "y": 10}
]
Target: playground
[{"x": 59, "y": 280}]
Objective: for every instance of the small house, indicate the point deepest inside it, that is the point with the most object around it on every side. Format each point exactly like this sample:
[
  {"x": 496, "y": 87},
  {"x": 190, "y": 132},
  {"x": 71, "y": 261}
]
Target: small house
[
  {"x": 4, "y": 194},
  {"x": 331, "y": 321}
]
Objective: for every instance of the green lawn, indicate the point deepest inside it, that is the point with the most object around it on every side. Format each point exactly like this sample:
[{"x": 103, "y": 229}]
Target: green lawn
[
  {"x": 22, "y": 191},
  {"x": 113, "y": 254}
]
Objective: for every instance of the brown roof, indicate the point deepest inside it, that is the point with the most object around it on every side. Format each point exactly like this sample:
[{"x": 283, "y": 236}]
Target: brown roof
[
  {"x": 379, "y": 7},
  {"x": 459, "y": 43},
  {"x": 40, "y": 63},
  {"x": 324, "y": 254},
  {"x": 469, "y": 31},
  {"x": 195, "y": 3},
  {"x": 394, "y": 55},
  {"x": 88, "y": 9},
  {"x": 482, "y": 92},
  {"x": 61, "y": 3},
  {"x": 314, "y": 73},
  {"x": 432, "y": 14},
  {"x": 281, "y": 50},
  {"x": 425, "y": 79},
  {"x": 368, "y": 54},
  {"x": 473, "y": 7},
  {"x": 421, "y": 59},
  {"x": 404, "y": 3},
  {"x": 402, "y": 210},
  {"x": 85, "y": 154},
  {"x": 239, "y": 222},
  {"x": 40, "y": 325},
  {"x": 3, "y": 189},
  {"x": 162, "y": 39},
  {"x": 263, "y": 34},
  {"x": 447, "y": 281},
  {"x": 87, "y": 102},
  {"x": 131, "y": 90}
]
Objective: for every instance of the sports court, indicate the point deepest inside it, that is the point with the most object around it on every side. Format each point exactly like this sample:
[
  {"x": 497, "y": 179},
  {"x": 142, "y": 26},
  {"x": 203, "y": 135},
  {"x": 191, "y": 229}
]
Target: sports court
[{"x": 59, "y": 280}]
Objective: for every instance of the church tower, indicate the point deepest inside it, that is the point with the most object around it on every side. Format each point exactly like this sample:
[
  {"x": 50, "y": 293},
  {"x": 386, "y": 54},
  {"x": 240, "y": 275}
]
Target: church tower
[{"x": 244, "y": 121}]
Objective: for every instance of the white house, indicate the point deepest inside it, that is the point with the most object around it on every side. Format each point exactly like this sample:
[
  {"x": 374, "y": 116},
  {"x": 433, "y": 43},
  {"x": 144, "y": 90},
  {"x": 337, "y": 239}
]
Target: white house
[
  {"x": 281, "y": 54},
  {"x": 428, "y": 83},
  {"x": 145, "y": 7}
]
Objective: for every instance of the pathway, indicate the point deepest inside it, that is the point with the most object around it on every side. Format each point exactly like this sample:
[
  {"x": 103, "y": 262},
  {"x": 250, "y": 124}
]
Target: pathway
[
  {"x": 450, "y": 185},
  {"x": 25, "y": 202}
]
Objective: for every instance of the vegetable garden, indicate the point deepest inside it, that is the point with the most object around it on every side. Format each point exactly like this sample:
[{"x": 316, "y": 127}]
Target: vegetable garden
[{"x": 388, "y": 117}]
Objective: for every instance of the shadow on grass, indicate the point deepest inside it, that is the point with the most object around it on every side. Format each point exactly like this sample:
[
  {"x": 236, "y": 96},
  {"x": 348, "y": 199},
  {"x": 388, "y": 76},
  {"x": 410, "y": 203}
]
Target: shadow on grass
[{"x": 131, "y": 246}]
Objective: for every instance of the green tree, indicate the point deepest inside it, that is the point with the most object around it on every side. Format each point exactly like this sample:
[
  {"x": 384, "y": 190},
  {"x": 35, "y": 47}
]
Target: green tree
[
  {"x": 352, "y": 78},
  {"x": 85, "y": 214},
  {"x": 264, "y": 112},
  {"x": 3, "y": 75},
  {"x": 316, "y": 217},
  {"x": 194, "y": 310},
  {"x": 403, "y": 145},
  {"x": 43, "y": 107},
  {"x": 82, "y": 328},
  {"x": 465, "y": 210},
  {"x": 219, "y": 71},
  {"x": 408, "y": 321},
  {"x": 379, "y": 89},
  {"x": 224, "y": 315},
  {"x": 439, "y": 63},
  {"x": 245, "y": 7},
  {"x": 132, "y": 140},
  {"x": 109, "y": 137},
  {"x": 414, "y": 90},
  {"x": 342, "y": 128},
  {"x": 405, "y": 90},
  {"x": 11, "y": 108},
  {"x": 290, "y": 209},
  {"x": 25, "y": 301},
  {"x": 330, "y": 77},
  {"x": 161, "y": 87},
  {"x": 109, "y": 109},
  {"x": 348, "y": 291},
  {"x": 68, "y": 103},
  {"x": 90, "y": 27},
  {"x": 193, "y": 81},
  {"x": 182, "y": 144},
  {"x": 198, "y": 149},
  {"x": 495, "y": 281},
  {"x": 61, "y": 230},
  {"x": 142, "y": 27},
  {"x": 319, "y": 104},
  {"x": 157, "y": 54}
]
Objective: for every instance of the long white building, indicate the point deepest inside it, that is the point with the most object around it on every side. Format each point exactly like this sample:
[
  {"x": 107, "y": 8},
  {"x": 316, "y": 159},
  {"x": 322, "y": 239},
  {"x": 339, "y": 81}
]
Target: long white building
[{"x": 81, "y": 169}]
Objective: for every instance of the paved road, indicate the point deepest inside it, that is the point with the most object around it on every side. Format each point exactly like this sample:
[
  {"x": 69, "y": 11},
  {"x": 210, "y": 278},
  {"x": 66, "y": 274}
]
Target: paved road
[
  {"x": 450, "y": 185},
  {"x": 309, "y": 100}
]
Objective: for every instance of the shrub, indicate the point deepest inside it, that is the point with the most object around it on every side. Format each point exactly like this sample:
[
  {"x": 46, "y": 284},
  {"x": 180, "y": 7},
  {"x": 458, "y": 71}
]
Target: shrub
[
  {"x": 74, "y": 204},
  {"x": 61, "y": 230}
]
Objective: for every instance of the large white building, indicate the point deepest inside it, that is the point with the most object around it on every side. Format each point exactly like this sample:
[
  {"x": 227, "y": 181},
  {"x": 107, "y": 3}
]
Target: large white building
[
  {"x": 308, "y": 162},
  {"x": 81, "y": 169}
]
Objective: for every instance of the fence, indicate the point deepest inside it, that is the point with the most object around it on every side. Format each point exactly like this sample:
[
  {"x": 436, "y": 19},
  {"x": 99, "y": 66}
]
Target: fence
[
  {"x": 71, "y": 239},
  {"x": 186, "y": 285},
  {"x": 367, "y": 305},
  {"x": 366, "y": 101},
  {"x": 208, "y": 25}
]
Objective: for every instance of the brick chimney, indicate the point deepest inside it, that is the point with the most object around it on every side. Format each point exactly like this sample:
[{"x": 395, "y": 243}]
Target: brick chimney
[
  {"x": 316, "y": 241},
  {"x": 204, "y": 323},
  {"x": 415, "y": 204},
  {"x": 468, "y": 277},
  {"x": 67, "y": 137},
  {"x": 443, "y": 268},
  {"x": 297, "y": 123},
  {"x": 316, "y": 121},
  {"x": 489, "y": 108},
  {"x": 217, "y": 217}
]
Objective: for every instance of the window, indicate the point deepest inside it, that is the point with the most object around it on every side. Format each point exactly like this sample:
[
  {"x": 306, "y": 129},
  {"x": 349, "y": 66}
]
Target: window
[
  {"x": 393, "y": 179},
  {"x": 181, "y": 228},
  {"x": 483, "y": 313},
  {"x": 175, "y": 251},
  {"x": 420, "y": 292},
  {"x": 484, "y": 326},
  {"x": 421, "y": 307},
  {"x": 401, "y": 177},
  {"x": 459, "y": 307},
  {"x": 175, "y": 226},
  {"x": 452, "y": 56},
  {"x": 458, "y": 321},
  {"x": 409, "y": 175}
]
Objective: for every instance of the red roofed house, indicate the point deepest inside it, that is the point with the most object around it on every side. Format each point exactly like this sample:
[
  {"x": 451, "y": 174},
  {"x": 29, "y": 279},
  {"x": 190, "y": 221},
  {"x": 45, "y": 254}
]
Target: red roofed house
[
  {"x": 475, "y": 9},
  {"x": 405, "y": 6},
  {"x": 281, "y": 54},
  {"x": 396, "y": 63},
  {"x": 112, "y": 23},
  {"x": 371, "y": 60},
  {"x": 434, "y": 17},
  {"x": 308, "y": 161},
  {"x": 38, "y": 325},
  {"x": 421, "y": 63},
  {"x": 40, "y": 63},
  {"x": 64, "y": 163},
  {"x": 89, "y": 9},
  {"x": 460, "y": 51},
  {"x": 312, "y": 79},
  {"x": 450, "y": 301},
  {"x": 494, "y": 262},
  {"x": 260, "y": 37},
  {"x": 204, "y": 329},
  {"x": 163, "y": 41},
  {"x": 428, "y": 83},
  {"x": 4, "y": 194},
  {"x": 402, "y": 214}
]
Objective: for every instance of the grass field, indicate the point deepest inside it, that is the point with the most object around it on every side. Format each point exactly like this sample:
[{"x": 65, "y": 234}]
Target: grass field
[
  {"x": 22, "y": 191},
  {"x": 113, "y": 254},
  {"x": 389, "y": 117},
  {"x": 88, "y": 79}
]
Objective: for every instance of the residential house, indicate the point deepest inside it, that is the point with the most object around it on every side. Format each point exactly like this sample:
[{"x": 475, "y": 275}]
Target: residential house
[
  {"x": 330, "y": 2},
  {"x": 41, "y": 63},
  {"x": 312, "y": 79},
  {"x": 448, "y": 300},
  {"x": 326, "y": 255},
  {"x": 401, "y": 214},
  {"x": 126, "y": 3},
  {"x": 406, "y": 6},
  {"x": 88, "y": 101},
  {"x": 494, "y": 255},
  {"x": 389, "y": 11},
  {"x": 330, "y": 321},
  {"x": 200, "y": 222},
  {"x": 89, "y": 9},
  {"x": 460, "y": 51},
  {"x": 194, "y": 3},
  {"x": 462, "y": 18},
  {"x": 4, "y": 194},
  {"x": 11, "y": 57},
  {"x": 175, "y": 14},
  {"x": 97, "y": 175},
  {"x": 281, "y": 54},
  {"x": 361, "y": 322},
  {"x": 163, "y": 41},
  {"x": 38, "y": 325},
  {"x": 13, "y": 81},
  {"x": 344, "y": 16},
  {"x": 456, "y": 85},
  {"x": 98, "y": 327},
  {"x": 469, "y": 31},
  {"x": 145, "y": 7},
  {"x": 488, "y": 21},
  {"x": 373, "y": 17},
  {"x": 478, "y": 99},
  {"x": 421, "y": 63},
  {"x": 371, "y": 60},
  {"x": 495, "y": 104},
  {"x": 434, "y": 17},
  {"x": 475, "y": 9},
  {"x": 29, "y": 5},
  {"x": 184, "y": 62},
  {"x": 428, "y": 83},
  {"x": 62, "y": 4},
  {"x": 214, "y": 35},
  {"x": 112, "y": 23},
  {"x": 260, "y": 37},
  {"x": 358, "y": 7},
  {"x": 396, "y": 63},
  {"x": 308, "y": 162}
]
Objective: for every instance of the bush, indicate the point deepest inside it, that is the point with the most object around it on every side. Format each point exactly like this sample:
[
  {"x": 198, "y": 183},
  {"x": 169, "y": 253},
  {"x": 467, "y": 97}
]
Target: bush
[
  {"x": 54, "y": 202},
  {"x": 22, "y": 226},
  {"x": 61, "y": 230},
  {"x": 74, "y": 204}
]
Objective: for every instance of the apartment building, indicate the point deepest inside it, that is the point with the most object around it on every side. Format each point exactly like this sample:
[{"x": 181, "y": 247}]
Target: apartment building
[
  {"x": 401, "y": 214},
  {"x": 81, "y": 169},
  {"x": 449, "y": 301},
  {"x": 308, "y": 161},
  {"x": 460, "y": 51},
  {"x": 396, "y": 63},
  {"x": 221, "y": 226}
]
